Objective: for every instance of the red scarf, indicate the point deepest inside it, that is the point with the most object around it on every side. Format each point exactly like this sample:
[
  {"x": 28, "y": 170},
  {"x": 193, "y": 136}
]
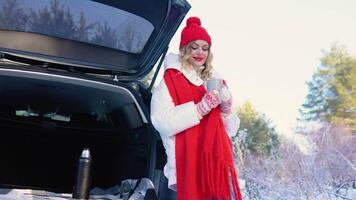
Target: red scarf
[{"x": 204, "y": 158}]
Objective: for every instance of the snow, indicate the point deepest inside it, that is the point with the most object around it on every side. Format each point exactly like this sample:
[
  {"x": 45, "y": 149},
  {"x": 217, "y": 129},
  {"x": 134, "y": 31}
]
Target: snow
[{"x": 319, "y": 165}]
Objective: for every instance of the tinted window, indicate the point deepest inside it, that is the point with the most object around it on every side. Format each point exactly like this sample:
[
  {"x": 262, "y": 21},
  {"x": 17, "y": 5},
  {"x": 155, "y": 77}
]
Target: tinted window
[{"x": 85, "y": 21}]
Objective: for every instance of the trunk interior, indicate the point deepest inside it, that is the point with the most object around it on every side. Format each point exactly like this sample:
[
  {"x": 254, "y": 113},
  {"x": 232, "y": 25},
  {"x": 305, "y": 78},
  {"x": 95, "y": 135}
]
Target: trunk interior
[
  {"x": 46, "y": 121},
  {"x": 39, "y": 157}
]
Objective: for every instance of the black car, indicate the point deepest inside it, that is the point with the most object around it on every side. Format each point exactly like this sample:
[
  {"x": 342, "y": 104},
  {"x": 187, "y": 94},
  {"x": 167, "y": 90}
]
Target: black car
[{"x": 70, "y": 76}]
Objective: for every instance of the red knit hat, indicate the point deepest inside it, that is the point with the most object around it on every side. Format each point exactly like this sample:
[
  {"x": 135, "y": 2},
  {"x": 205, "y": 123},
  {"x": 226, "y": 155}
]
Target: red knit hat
[{"x": 193, "y": 31}]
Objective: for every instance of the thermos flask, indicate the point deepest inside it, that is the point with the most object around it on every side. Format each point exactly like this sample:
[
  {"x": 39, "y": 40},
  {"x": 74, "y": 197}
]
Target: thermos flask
[{"x": 83, "y": 178}]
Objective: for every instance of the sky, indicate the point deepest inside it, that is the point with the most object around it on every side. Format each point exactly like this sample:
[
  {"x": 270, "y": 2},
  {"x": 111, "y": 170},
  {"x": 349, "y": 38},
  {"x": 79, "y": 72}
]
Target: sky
[{"x": 267, "y": 50}]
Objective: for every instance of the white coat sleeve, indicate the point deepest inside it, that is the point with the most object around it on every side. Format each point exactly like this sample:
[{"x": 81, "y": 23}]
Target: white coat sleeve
[
  {"x": 167, "y": 118},
  {"x": 232, "y": 124}
]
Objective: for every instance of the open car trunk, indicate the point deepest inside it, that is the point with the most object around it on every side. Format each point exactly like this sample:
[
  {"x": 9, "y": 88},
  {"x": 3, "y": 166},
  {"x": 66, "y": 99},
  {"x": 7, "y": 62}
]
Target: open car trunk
[{"x": 46, "y": 120}]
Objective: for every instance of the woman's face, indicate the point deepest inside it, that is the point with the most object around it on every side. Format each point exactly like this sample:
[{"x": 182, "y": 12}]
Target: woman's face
[{"x": 199, "y": 53}]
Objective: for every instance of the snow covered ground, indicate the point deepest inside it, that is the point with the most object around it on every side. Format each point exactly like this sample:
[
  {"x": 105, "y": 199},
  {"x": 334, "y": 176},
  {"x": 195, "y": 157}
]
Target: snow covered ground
[
  {"x": 327, "y": 171},
  {"x": 274, "y": 193}
]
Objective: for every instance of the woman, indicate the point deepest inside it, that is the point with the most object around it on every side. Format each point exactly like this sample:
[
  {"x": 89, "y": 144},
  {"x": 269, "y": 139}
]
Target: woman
[{"x": 195, "y": 124}]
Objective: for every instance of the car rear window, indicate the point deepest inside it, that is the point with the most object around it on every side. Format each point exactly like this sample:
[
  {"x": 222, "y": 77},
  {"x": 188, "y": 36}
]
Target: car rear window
[{"x": 84, "y": 21}]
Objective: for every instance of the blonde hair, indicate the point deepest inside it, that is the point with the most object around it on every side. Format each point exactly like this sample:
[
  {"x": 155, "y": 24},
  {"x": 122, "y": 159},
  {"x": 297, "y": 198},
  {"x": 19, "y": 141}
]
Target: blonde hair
[{"x": 184, "y": 55}]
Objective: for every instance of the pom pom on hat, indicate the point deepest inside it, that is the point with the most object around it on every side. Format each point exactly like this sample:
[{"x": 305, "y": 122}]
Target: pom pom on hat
[
  {"x": 193, "y": 31},
  {"x": 193, "y": 20}
]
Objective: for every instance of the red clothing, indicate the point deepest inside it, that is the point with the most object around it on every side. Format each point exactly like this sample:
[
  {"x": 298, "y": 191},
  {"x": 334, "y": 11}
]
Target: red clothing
[{"x": 204, "y": 158}]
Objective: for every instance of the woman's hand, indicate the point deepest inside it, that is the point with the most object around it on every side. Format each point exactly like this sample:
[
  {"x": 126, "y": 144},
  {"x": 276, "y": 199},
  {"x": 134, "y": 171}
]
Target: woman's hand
[
  {"x": 226, "y": 100},
  {"x": 210, "y": 100}
]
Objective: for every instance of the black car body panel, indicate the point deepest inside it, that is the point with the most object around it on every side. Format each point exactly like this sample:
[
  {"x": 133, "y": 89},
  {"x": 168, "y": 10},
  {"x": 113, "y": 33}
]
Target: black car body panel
[{"x": 63, "y": 88}]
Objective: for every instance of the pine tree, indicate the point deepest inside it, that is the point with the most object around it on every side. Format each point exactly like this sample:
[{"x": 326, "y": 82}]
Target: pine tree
[
  {"x": 105, "y": 35},
  {"x": 261, "y": 136},
  {"x": 12, "y": 16},
  {"x": 55, "y": 20},
  {"x": 332, "y": 91}
]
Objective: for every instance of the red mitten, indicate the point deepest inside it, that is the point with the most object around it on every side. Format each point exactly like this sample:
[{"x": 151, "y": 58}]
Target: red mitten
[{"x": 209, "y": 101}]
